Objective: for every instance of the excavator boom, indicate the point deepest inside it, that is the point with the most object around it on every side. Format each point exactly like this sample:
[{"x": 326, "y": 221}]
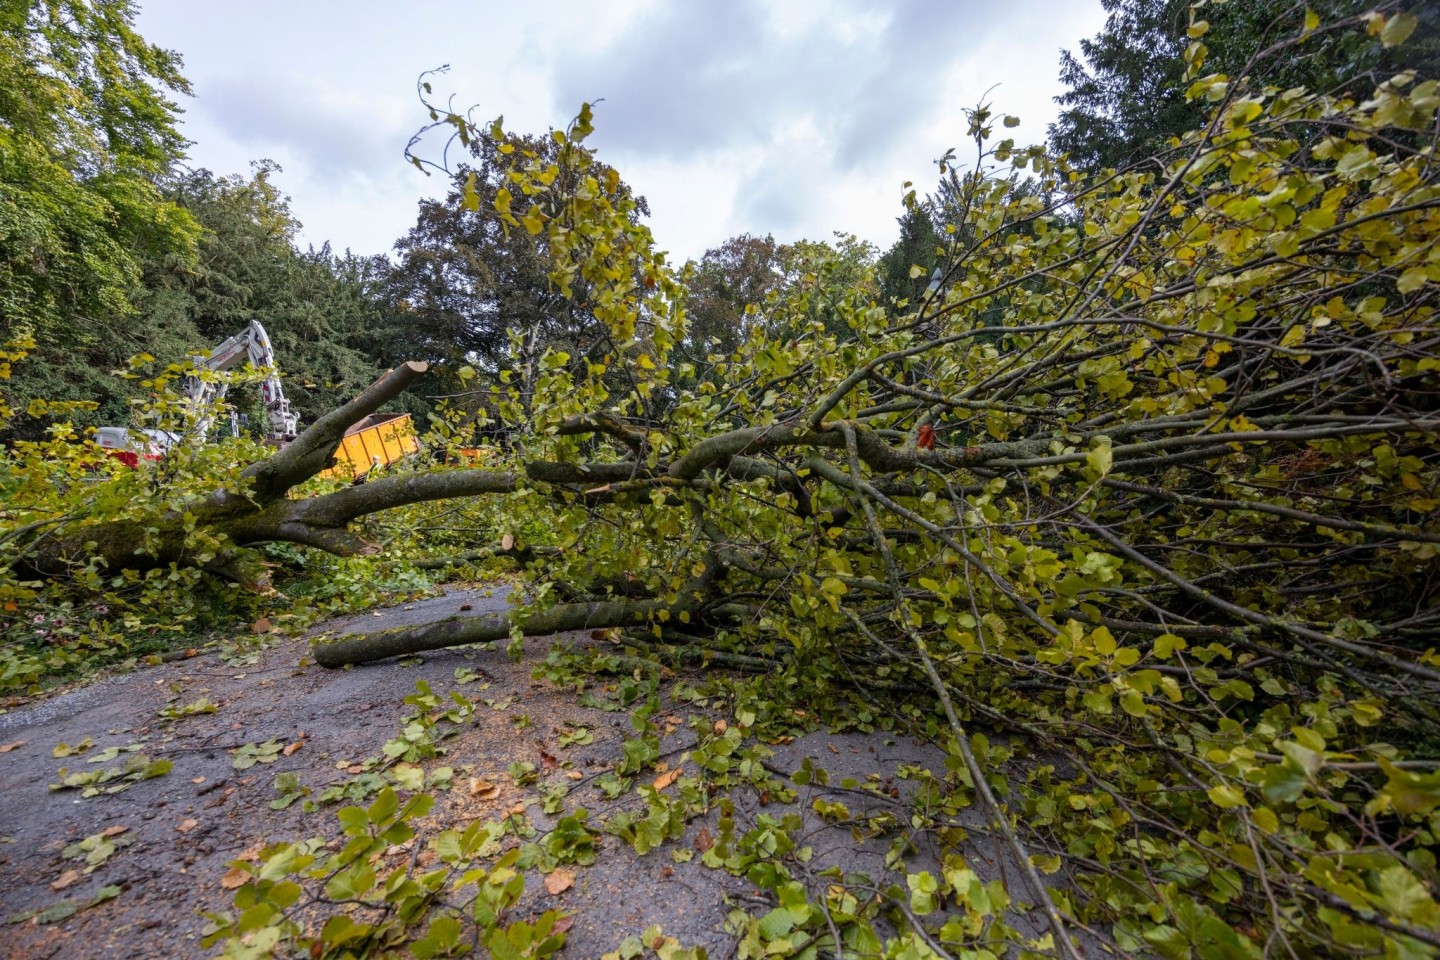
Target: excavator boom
[{"x": 251, "y": 344}]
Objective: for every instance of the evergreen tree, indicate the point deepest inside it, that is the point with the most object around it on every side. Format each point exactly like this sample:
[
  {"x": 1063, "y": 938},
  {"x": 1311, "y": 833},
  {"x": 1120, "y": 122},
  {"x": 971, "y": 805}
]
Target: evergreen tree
[
  {"x": 1126, "y": 88},
  {"x": 917, "y": 247}
]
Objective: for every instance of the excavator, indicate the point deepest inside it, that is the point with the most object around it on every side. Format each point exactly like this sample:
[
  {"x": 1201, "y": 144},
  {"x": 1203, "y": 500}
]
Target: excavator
[
  {"x": 252, "y": 344},
  {"x": 374, "y": 443}
]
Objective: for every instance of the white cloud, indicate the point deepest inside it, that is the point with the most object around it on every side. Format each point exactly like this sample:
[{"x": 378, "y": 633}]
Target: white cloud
[{"x": 799, "y": 118}]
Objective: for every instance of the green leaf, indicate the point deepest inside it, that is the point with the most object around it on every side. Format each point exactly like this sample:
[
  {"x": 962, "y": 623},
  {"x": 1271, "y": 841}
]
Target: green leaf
[
  {"x": 440, "y": 939},
  {"x": 1403, "y": 894},
  {"x": 352, "y": 883},
  {"x": 1100, "y": 456},
  {"x": 1167, "y": 645},
  {"x": 1282, "y": 784},
  {"x": 923, "y": 887},
  {"x": 1411, "y": 793},
  {"x": 408, "y": 776},
  {"x": 776, "y": 924}
]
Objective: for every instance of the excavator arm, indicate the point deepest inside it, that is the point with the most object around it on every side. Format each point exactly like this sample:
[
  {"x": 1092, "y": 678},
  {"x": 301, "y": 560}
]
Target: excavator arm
[{"x": 252, "y": 344}]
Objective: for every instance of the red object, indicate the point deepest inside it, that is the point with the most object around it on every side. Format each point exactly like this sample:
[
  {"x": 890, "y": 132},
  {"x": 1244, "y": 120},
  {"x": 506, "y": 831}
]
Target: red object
[
  {"x": 926, "y": 440},
  {"x": 130, "y": 458}
]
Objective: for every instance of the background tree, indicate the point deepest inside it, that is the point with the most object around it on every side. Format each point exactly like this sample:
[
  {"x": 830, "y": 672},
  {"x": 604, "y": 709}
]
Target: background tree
[
  {"x": 1127, "y": 86},
  {"x": 918, "y": 246},
  {"x": 323, "y": 312},
  {"x": 88, "y": 129},
  {"x": 731, "y": 282}
]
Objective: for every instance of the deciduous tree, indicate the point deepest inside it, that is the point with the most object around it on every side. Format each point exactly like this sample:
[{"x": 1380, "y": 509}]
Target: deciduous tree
[{"x": 87, "y": 127}]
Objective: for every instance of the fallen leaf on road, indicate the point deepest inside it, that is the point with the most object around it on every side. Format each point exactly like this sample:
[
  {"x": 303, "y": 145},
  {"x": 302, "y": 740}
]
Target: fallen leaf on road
[
  {"x": 559, "y": 881},
  {"x": 197, "y": 779},
  {"x": 260, "y": 626},
  {"x": 292, "y": 747},
  {"x": 16, "y": 745},
  {"x": 65, "y": 879},
  {"x": 665, "y": 779},
  {"x": 185, "y": 826},
  {"x": 518, "y": 809},
  {"x": 114, "y": 831},
  {"x": 721, "y": 726},
  {"x": 483, "y": 790},
  {"x": 574, "y": 774},
  {"x": 703, "y": 840},
  {"x": 563, "y": 925},
  {"x": 236, "y": 877}
]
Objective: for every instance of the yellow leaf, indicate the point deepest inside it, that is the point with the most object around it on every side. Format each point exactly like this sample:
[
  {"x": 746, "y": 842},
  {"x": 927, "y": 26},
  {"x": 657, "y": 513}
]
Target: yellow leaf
[
  {"x": 1411, "y": 280},
  {"x": 1397, "y": 29},
  {"x": 1225, "y": 796}
]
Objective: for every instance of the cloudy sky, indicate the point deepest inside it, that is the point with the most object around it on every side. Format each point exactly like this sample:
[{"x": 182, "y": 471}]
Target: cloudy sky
[{"x": 797, "y": 118}]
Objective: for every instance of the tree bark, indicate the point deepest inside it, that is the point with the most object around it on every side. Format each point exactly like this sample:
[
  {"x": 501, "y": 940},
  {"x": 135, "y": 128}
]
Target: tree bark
[{"x": 458, "y": 631}]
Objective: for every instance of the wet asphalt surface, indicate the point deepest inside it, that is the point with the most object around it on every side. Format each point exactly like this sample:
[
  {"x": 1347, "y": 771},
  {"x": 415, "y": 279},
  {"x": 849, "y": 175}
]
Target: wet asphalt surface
[{"x": 184, "y": 828}]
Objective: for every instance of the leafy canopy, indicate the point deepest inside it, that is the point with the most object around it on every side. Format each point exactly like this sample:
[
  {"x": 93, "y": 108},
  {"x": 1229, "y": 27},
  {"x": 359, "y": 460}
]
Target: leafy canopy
[{"x": 87, "y": 127}]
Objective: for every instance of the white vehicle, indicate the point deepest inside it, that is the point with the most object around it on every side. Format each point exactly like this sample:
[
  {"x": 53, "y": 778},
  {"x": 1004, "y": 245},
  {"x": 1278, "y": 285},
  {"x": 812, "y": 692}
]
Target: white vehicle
[{"x": 252, "y": 344}]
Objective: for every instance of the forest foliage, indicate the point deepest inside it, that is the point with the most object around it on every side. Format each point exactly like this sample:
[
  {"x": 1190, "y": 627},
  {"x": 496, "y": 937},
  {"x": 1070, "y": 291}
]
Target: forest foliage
[{"x": 1131, "y": 509}]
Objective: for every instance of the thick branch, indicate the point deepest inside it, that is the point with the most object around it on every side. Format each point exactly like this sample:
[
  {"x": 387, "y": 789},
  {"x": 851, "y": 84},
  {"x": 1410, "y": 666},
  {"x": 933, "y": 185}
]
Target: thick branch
[{"x": 311, "y": 451}]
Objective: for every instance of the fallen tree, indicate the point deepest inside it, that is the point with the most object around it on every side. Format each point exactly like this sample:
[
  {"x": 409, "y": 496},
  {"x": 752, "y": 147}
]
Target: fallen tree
[
  {"x": 253, "y": 507},
  {"x": 1147, "y": 478}
]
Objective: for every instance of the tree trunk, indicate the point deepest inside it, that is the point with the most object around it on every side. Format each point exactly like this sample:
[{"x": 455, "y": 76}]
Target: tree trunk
[{"x": 458, "y": 631}]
